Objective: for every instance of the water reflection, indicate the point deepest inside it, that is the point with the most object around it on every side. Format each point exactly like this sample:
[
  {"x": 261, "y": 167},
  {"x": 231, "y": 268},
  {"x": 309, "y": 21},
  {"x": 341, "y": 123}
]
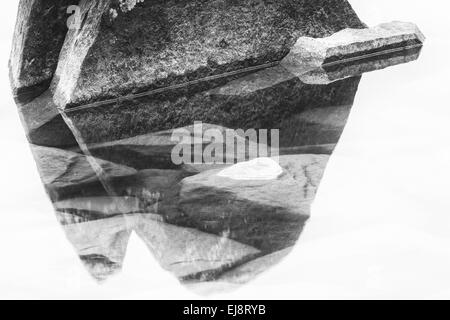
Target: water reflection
[{"x": 109, "y": 172}]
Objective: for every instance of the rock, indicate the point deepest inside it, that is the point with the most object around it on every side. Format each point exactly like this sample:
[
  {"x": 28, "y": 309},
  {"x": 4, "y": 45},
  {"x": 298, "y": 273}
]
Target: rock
[
  {"x": 327, "y": 74},
  {"x": 322, "y": 75},
  {"x": 248, "y": 271},
  {"x": 189, "y": 40},
  {"x": 266, "y": 214},
  {"x": 188, "y": 253},
  {"x": 38, "y": 38},
  {"x": 351, "y": 44},
  {"x": 60, "y": 168}
]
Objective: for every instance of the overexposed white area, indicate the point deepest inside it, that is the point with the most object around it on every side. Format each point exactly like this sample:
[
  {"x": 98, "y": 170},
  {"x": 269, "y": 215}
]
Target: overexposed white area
[{"x": 380, "y": 225}]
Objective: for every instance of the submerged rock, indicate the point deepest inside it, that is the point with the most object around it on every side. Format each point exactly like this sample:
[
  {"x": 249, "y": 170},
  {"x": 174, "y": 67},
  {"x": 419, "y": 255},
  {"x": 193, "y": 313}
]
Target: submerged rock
[
  {"x": 266, "y": 214},
  {"x": 60, "y": 168},
  {"x": 37, "y": 41},
  {"x": 163, "y": 43}
]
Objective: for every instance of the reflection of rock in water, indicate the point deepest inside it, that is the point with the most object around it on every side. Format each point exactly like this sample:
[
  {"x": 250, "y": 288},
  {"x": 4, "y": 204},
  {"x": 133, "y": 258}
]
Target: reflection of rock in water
[
  {"x": 107, "y": 164},
  {"x": 199, "y": 224}
]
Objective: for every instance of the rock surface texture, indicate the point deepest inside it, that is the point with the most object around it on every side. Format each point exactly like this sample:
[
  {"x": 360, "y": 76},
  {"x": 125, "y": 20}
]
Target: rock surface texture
[
  {"x": 109, "y": 57},
  {"x": 38, "y": 38}
]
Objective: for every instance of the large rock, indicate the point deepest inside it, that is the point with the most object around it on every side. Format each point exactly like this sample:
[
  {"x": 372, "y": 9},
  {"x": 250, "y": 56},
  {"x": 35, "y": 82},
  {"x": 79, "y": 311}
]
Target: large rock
[
  {"x": 266, "y": 214},
  {"x": 38, "y": 38},
  {"x": 333, "y": 72},
  {"x": 163, "y": 43},
  {"x": 351, "y": 44}
]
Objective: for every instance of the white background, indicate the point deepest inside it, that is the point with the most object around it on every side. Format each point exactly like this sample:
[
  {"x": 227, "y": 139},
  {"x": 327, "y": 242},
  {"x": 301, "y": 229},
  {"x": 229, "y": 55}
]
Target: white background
[{"x": 380, "y": 225}]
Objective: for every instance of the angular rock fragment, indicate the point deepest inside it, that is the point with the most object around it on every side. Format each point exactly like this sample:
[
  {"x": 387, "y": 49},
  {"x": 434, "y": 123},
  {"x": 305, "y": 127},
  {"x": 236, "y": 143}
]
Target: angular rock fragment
[
  {"x": 266, "y": 214},
  {"x": 324, "y": 74},
  {"x": 330, "y": 73},
  {"x": 37, "y": 41},
  {"x": 113, "y": 56},
  {"x": 350, "y": 45}
]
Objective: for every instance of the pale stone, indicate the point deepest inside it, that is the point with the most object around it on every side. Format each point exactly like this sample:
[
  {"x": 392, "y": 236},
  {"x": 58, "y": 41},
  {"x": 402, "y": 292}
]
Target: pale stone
[{"x": 257, "y": 169}]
